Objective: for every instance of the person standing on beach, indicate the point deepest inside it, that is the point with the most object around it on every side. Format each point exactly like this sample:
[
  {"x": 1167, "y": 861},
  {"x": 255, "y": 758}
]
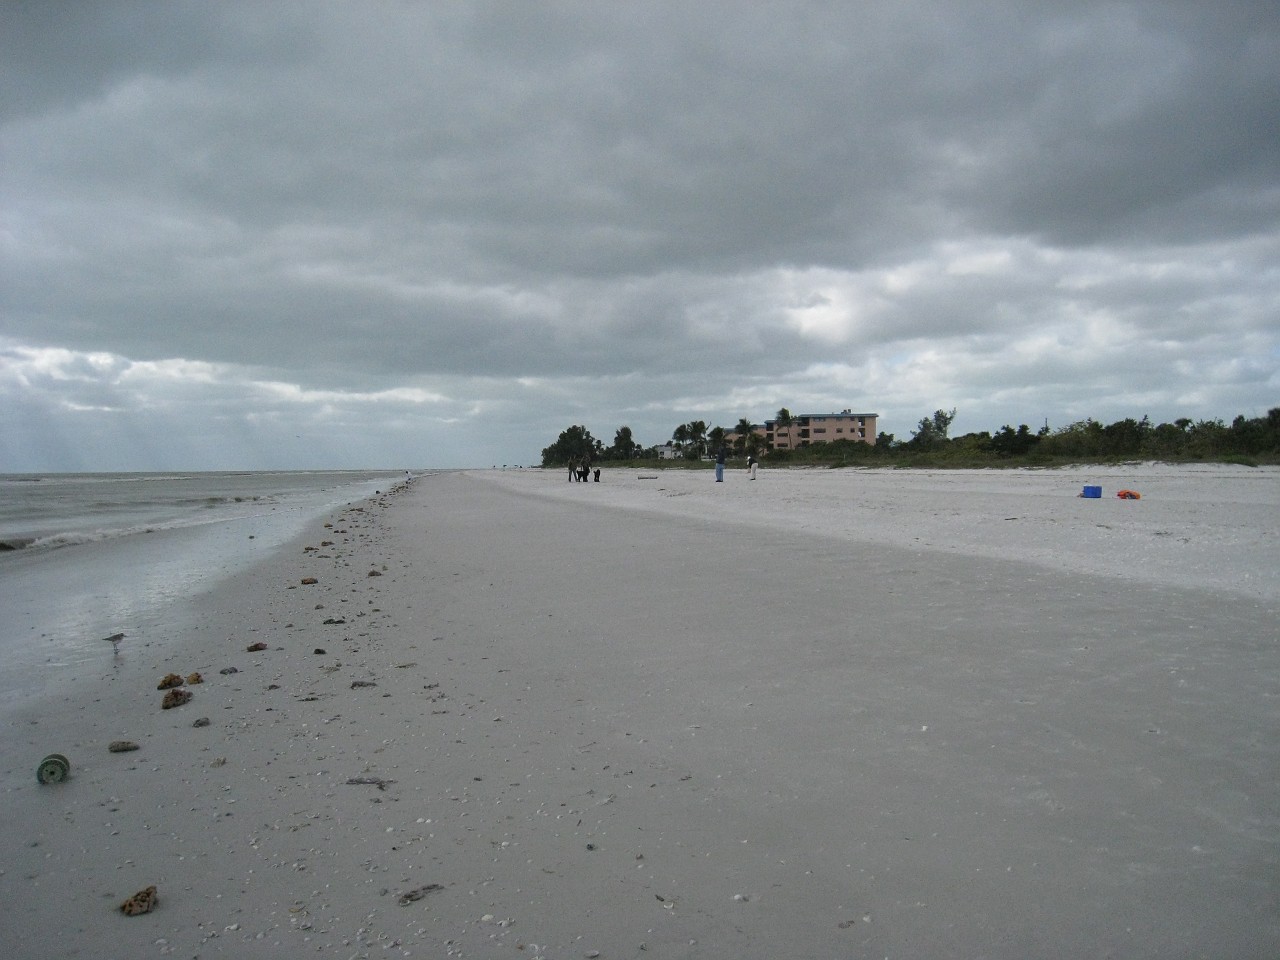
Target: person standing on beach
[
  {"x": 752, "y": 464},
  {"x": 720, "y": 455}
]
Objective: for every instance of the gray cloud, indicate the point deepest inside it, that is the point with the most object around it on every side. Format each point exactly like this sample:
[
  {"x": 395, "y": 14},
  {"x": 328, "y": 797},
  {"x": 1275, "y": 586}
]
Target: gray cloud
[{"x": 423, "y": 218}]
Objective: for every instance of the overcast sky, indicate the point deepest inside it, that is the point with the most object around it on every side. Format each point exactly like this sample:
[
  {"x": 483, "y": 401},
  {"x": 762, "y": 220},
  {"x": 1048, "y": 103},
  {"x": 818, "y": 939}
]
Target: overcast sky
[{"x": 318, "y": 234}]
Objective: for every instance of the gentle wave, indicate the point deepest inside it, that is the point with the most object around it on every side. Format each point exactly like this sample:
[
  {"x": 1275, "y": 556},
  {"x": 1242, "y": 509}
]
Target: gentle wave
[
  {"x": 105, "y": 478},
  {"x": 44, "y": 512},
  {"x": 72, "y": 538}
]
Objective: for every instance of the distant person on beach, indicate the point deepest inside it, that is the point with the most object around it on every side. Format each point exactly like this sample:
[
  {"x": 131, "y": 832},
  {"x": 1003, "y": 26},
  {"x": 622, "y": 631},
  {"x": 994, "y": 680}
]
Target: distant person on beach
[
  {"x": 584, "y": 470},
  {"x": 573, "y": 470},
  {"x": 752, "y": 464},
  {"x": 597, "y": 475},
  {"x": 720, "y": 455}
]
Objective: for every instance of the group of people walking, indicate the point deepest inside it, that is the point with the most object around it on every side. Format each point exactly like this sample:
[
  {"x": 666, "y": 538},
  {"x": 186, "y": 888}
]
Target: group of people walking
[{"x": 580, "y": 471}]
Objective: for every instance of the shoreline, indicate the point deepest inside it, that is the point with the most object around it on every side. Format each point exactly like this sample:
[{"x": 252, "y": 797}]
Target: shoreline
[
  {"x": 635, "y": 724},
  {"x": 58, "y": 602}
]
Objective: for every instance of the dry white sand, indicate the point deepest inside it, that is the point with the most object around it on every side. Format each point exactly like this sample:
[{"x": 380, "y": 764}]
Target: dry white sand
[{"x": 822, "y": 714}]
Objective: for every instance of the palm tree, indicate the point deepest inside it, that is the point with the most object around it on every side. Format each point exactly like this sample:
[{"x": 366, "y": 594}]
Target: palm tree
[
  {"x": 783, "y": 421},
  {"x": 716, "y": 437},
  {"x": 680, "y": 436},
  {"x": 698, "y": 436},
  {"x": 742, "y": 432}
]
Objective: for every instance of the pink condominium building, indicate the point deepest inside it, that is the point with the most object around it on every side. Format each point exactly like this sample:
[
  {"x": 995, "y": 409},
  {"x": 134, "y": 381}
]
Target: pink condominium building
[{"x": 810, "y": 428}]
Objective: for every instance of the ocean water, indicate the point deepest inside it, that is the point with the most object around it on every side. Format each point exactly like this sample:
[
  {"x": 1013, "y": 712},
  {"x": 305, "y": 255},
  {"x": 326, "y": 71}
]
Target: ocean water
[
  {"x": 86, "y": 556},
  {"x": 43, "y": 511}
]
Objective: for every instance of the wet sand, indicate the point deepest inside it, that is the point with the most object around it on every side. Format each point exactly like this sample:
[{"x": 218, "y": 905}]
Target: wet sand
[{"x": 822, "y": 714}]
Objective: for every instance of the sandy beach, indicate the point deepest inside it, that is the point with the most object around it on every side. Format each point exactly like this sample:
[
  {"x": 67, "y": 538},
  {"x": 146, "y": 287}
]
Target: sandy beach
[{"x": 823, "y": 714}]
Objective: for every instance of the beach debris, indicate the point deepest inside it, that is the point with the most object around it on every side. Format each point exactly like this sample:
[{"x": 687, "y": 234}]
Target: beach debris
[
  {"x": 308, "y": 581},
  {"x": 334, "y": 620},
  {"x": 1129, "y": 495},
  {"x": 202, "y": 722},
  {"x": 144, "y": 901},
  {"x": 122, "y": 746},
  {"x": 375, "y": 573},
  {"x": 53, "y": 769},
  {"x": 218, "y": 762},
  {"x": 370, "y": 781},
  {"x": 273, "y": 686},
  {"x": 175, "y": 698},
  {"x": 362, "y": 683},
  {"x": 319, "y": 651},
  {"x": 170, "y": 681},
  {"x": 255, "y": 647},
  {"x": 227, "y": 671},
  {"x": 194, "y": 678},
  {"x": 418, "y": 893}
]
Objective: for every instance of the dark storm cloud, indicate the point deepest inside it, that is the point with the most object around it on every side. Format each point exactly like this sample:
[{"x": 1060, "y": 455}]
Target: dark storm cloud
[{"x": 731, "y": 205}]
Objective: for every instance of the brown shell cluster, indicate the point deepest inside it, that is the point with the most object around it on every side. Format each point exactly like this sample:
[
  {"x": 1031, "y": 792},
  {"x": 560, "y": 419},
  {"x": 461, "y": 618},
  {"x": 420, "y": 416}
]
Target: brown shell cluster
[
  {"x": 175, "y": 698},
  {"x": 144, "y": 901}
]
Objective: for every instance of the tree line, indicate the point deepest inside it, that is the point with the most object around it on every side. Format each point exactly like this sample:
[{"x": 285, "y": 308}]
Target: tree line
[{"x": 1251, "y": 440}]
